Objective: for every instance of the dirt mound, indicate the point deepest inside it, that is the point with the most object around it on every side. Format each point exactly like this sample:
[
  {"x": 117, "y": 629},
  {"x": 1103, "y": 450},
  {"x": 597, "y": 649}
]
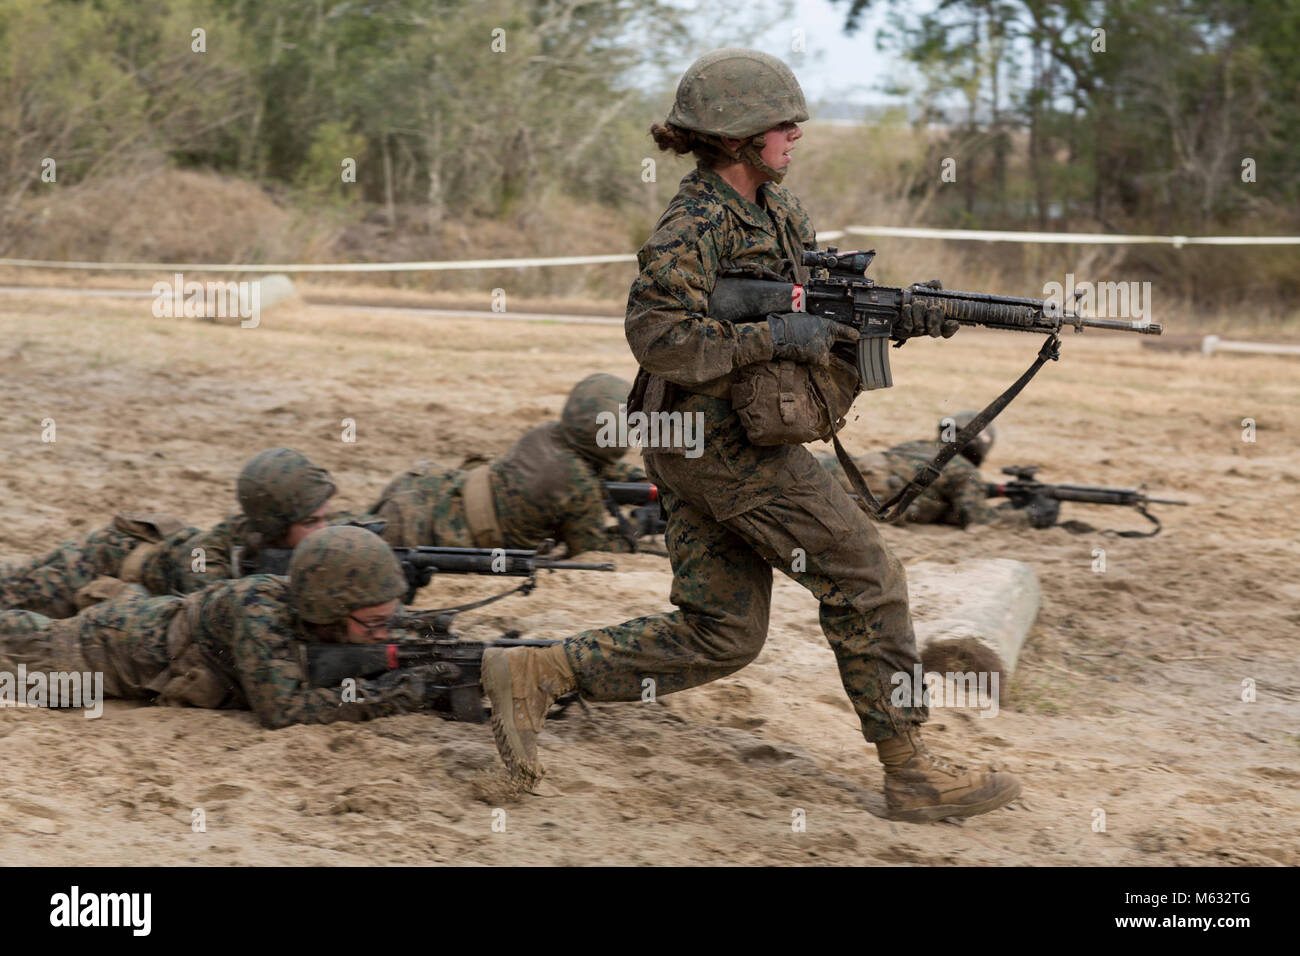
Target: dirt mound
[{"x": 157, "y": 215}]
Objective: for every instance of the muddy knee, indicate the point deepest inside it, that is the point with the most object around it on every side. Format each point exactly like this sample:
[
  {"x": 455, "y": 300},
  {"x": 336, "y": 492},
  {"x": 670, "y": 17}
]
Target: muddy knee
[{"x": 729, "y": 641}]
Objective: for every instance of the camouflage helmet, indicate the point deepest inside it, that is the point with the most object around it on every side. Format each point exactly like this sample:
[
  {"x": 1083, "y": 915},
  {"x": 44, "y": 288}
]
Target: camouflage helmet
[
  {"x": 279, "y": 487},
  {"x": 581, "y": 420},
  {"x": 737, "y": 93},
  {"x": 977, "y": 449},
  {"x": 339, "y": 569}
]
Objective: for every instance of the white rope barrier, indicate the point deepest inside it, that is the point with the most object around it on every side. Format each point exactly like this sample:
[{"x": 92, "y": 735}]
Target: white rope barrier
[
  {"x": 1081, "y": 238},
  {"x": 445, "y": 265},
  {"x": 432, "y": 266}
]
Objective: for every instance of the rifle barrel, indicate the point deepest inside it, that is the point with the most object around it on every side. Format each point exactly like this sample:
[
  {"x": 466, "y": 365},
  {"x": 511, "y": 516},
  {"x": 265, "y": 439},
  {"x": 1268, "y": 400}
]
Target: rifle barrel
[
  {"x": 632, "y": 492},
  {"x": 1143, "y": 328},
  {"x": 549, "y": 565},
  {"x": 468, "y": 563},
  {"x": 1013, "y": 313}
]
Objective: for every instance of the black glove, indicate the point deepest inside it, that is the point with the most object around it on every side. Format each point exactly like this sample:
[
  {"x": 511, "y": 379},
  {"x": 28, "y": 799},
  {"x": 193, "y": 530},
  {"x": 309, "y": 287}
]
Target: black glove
[
  {"x": 416, "y": 578},
  {"x": 918, "y": 318},
  {"x": 1042, "y": 511},
  {"x": 806, "y": 338},
  {"x": 425, "y": 684}
]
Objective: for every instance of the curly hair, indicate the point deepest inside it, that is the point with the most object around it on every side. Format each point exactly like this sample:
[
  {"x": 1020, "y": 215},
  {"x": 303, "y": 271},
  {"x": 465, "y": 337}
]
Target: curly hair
[{"x": 681, "y": 141}]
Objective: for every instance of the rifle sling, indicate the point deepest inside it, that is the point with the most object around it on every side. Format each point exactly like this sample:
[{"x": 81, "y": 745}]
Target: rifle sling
[
  {"x": 1140, "y": 534},
  {"x": 928, "y": 473},
  {"x": 527, "y": 586}
]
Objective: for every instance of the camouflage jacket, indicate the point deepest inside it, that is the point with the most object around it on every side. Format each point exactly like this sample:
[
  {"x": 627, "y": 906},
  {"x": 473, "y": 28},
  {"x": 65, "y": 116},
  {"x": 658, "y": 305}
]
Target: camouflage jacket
[
  {"x": 957, "y": 496},
  {"x": 189, "y": 560},
  {"x": 686, "y": 357},
  {"x": 542, "y": 488},
  {"x": 249, "y": 627}
]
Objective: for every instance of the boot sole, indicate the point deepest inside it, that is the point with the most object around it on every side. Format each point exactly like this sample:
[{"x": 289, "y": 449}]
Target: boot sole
[
  {"x": 944, "y": 810},
  {"x": 495, "y": 676}
]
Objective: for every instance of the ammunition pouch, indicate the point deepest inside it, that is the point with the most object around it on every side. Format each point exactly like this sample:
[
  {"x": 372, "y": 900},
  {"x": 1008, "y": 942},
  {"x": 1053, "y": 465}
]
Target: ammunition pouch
[
  {"x": 789, "y": 403},
  {"x": 147, "y": 526},
  {"x": 480, "y": 510},
  {"x": 132, "y": 570},
  {"x": 103, "y": 588},
  {"x": 194, "y": 677}
]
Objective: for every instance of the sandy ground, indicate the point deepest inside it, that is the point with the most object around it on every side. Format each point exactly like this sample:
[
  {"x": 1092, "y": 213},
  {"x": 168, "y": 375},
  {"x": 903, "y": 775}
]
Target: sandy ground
[{"x": 1127, "y": 699}]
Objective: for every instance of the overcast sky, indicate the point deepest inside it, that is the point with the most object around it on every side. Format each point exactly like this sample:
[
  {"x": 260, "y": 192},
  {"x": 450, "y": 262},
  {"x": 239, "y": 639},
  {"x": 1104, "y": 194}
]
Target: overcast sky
[{"x": 834, "y": 63}]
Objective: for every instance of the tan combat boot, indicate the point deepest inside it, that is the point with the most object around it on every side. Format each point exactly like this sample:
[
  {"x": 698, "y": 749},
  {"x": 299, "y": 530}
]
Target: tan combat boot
[
  {"x": 522, "y": 683},
  {"x": 922, "y": 789}
]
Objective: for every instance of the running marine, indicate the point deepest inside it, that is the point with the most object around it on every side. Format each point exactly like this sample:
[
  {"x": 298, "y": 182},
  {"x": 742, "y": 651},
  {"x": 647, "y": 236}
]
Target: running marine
[{"x": 740, "y": 509}]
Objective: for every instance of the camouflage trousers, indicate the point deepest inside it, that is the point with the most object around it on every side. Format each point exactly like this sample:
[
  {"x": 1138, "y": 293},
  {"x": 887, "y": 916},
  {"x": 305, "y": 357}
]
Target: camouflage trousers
[
  {"x": 722, "y": 586},
  {"x": 422, "y": 507},
  {"x": 125, "y": 639},
  {"x": 48, "y": 585}
]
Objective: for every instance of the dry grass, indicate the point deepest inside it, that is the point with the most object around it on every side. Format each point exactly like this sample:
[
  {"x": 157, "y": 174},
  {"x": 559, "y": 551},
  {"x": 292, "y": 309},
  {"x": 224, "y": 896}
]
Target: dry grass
[{"x": 844, "y": 175}]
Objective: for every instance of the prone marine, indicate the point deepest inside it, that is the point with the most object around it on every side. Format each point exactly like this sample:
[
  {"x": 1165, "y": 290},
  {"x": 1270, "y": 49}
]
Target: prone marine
[{"x": 241, "y": 643}]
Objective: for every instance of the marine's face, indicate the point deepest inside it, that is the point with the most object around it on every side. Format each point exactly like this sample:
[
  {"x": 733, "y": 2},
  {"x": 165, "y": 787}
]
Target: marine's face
[
  {"x": 370, "y": 625},
  {"x": 313, "y": 522},
  {"x": 778, "y": 142}
]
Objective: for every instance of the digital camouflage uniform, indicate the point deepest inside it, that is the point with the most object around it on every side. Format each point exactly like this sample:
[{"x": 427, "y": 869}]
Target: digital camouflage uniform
[
  {"x": 739, "y": 510},
  {"x": 236, "y": 644},
  {"x": 276, "y": 488},
  {"x": 547, "y": 485},
  {"x": 48, "y": 585},
  {"x": 957, "y": 496}
]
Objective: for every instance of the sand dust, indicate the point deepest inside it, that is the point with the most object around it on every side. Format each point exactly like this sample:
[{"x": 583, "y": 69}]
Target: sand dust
[{"x": 1127, "y": 699}]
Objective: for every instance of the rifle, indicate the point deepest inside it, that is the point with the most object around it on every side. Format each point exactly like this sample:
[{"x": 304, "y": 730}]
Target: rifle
[
  {"x": 645, "y": 519},
  {"x": 847, "y": 296},
  {"x": 420, "y": 564},
  {"x": 458, "y": 662},
  {"x": 1042, "y": 502},
  {"x": 839, "y": 290}
]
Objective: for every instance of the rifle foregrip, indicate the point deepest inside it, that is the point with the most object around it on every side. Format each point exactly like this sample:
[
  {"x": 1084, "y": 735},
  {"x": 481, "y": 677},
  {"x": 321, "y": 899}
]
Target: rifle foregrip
[
  {"x": 994, "y": 314},
  {"x": 873, "y": 362}
]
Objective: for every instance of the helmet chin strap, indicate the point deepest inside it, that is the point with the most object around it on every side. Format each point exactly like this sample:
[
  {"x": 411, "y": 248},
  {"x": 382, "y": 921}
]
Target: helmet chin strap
[{"x": 751, "y": 152}]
